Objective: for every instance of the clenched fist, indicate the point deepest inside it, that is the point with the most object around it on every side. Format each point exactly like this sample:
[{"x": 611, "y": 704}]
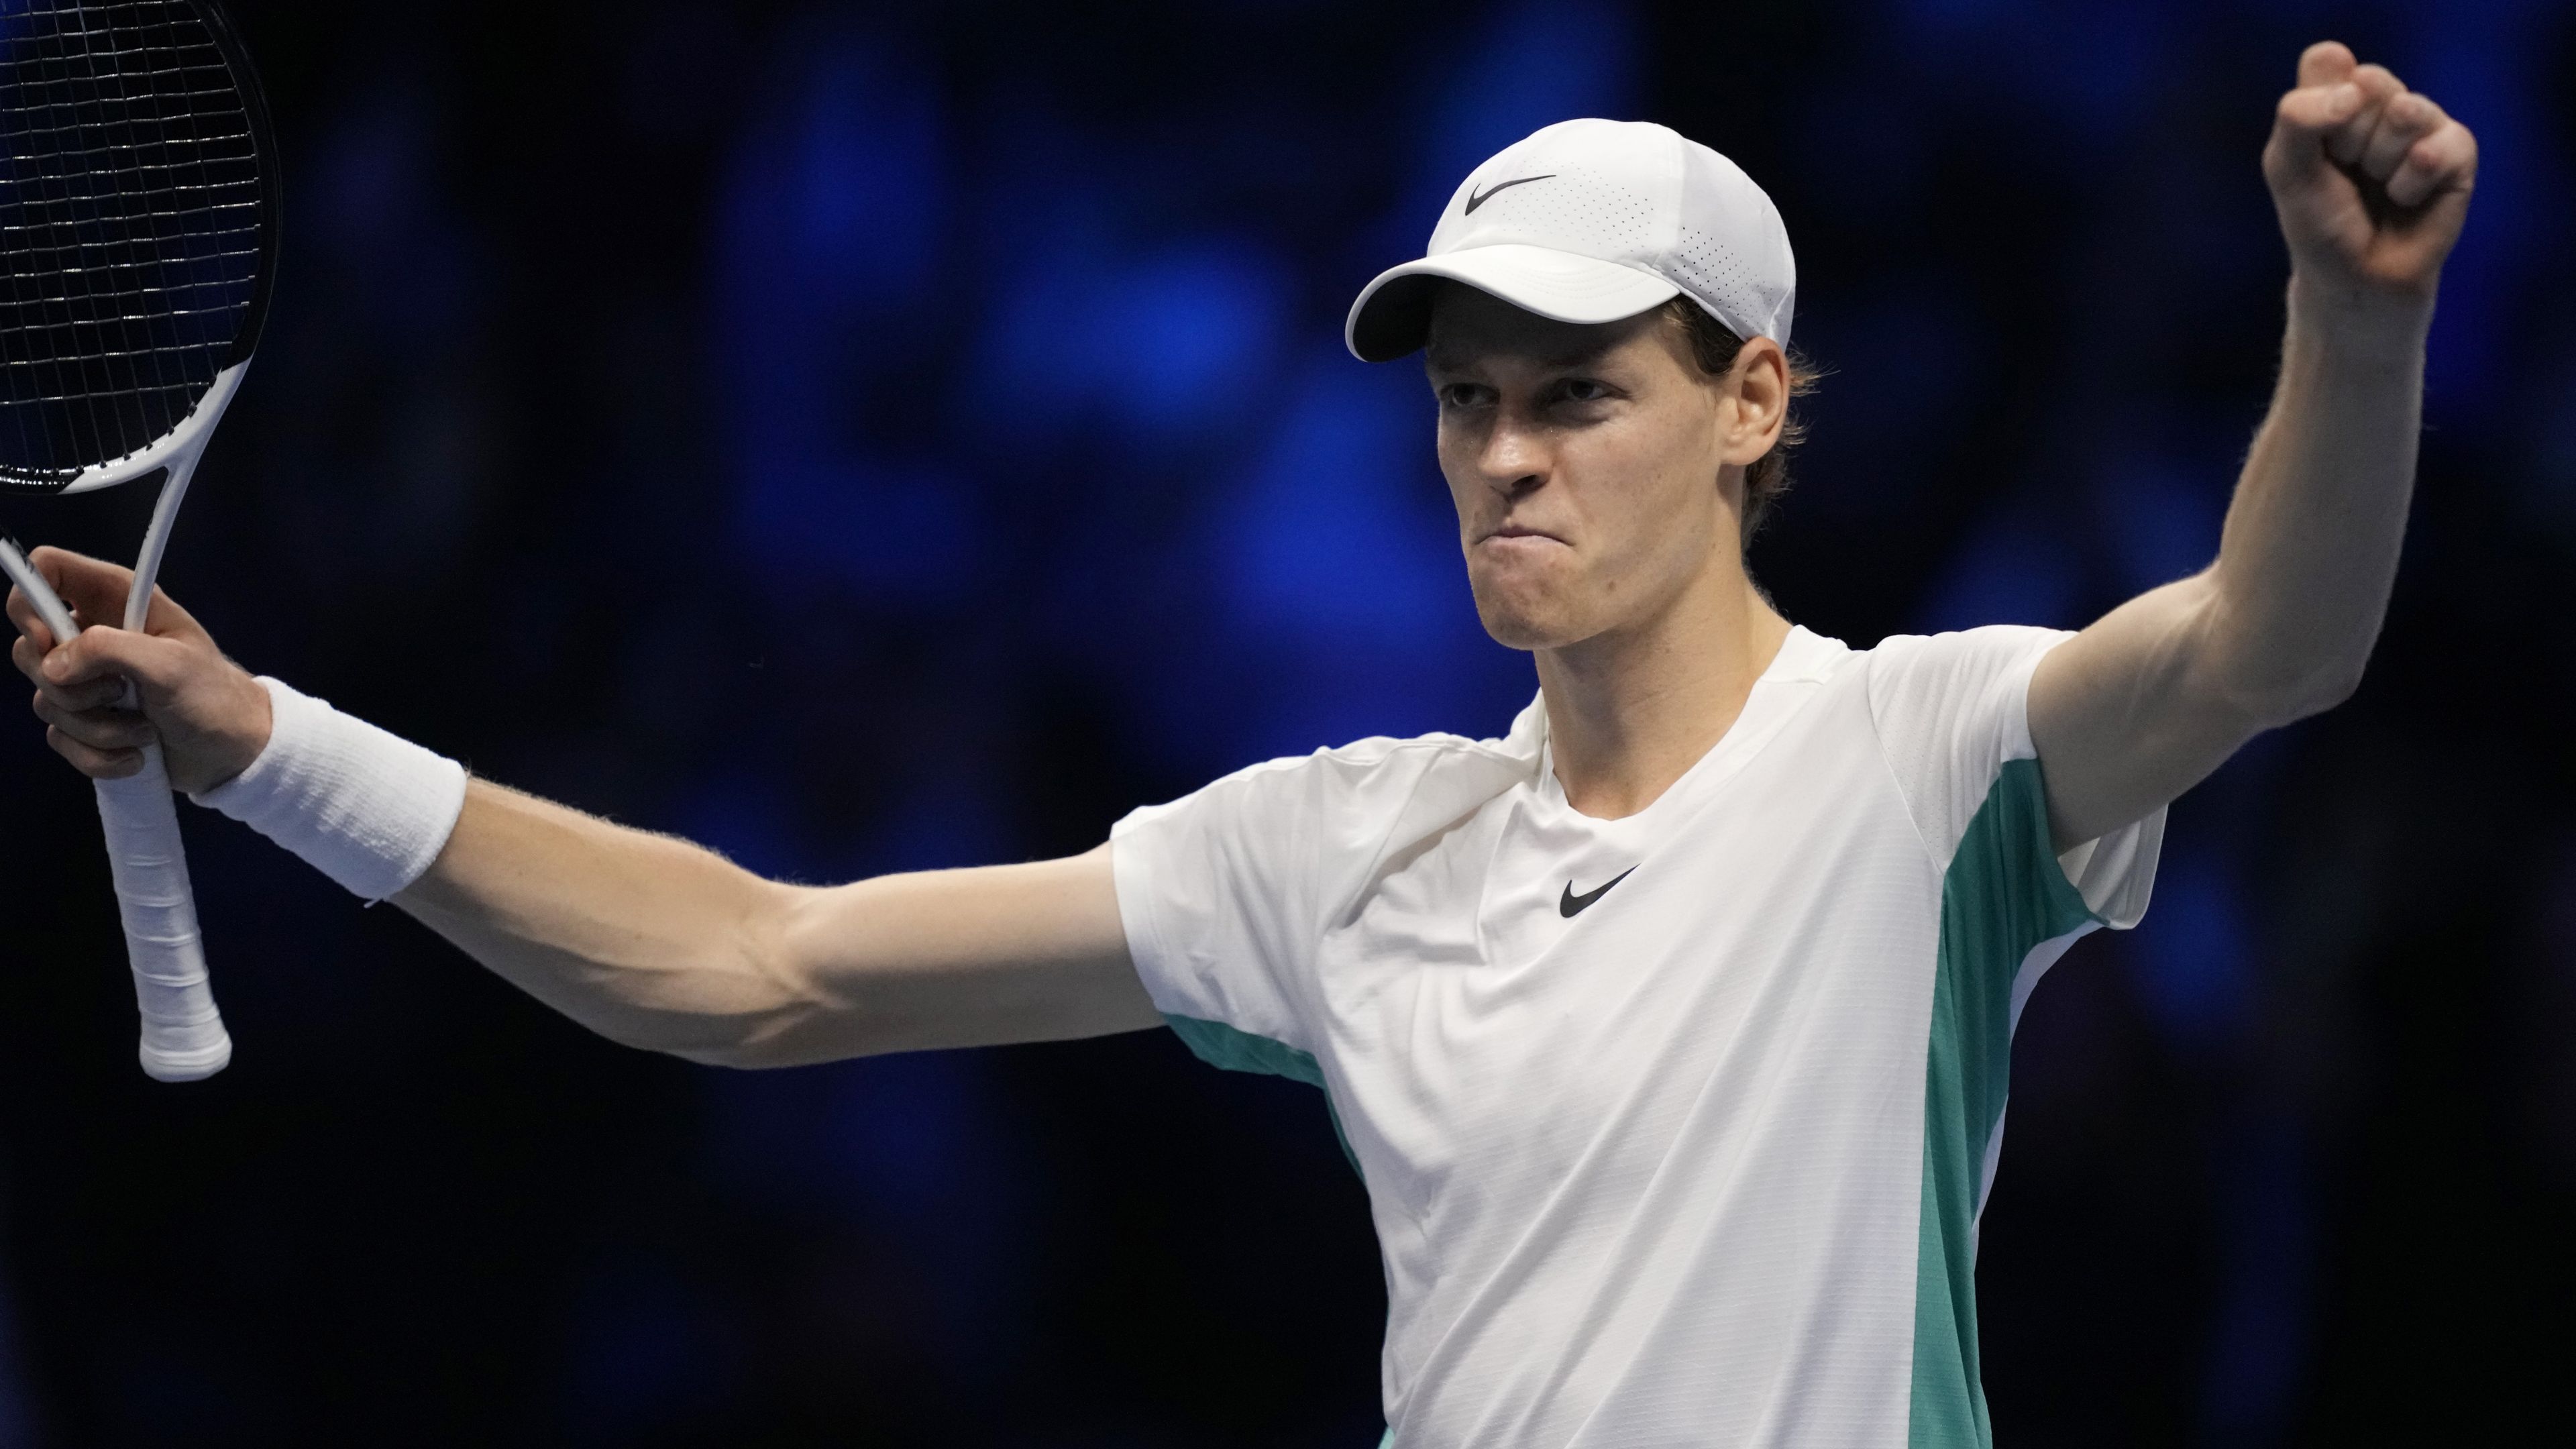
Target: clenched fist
[{"x": 2371, "y": 181}]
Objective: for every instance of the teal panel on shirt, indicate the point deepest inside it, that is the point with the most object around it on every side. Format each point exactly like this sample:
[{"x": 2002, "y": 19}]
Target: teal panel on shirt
[
  {"x": 2003, "y": 896},
  {"x": 1220, "y": 1045}
]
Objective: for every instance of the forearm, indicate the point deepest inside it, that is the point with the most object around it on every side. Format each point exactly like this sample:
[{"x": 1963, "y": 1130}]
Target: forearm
[
  {"x": 648, "y": 940},
  {"x": 660, "y": 944},
  {"x": 2312, "y": 538},
  {"x": 2145, "y": 703}
]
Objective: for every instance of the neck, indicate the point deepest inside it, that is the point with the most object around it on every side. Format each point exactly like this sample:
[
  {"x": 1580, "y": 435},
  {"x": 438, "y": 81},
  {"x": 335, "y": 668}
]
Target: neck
[{"x": 1630, "y": 710}]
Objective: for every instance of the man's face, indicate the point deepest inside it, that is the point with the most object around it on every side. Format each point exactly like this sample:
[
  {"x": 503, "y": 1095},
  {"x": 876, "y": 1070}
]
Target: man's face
[{"x": 1584, "y": 462}]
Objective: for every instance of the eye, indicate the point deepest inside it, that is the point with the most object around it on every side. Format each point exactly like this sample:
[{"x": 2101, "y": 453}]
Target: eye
[
  {"x": 1582, "y": 390},
  {"x": 1463, "y": 394}
]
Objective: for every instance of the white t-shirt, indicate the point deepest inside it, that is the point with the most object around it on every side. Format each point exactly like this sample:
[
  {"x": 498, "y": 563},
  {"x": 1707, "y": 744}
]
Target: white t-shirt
[{"x": 1676, "y": 1127}]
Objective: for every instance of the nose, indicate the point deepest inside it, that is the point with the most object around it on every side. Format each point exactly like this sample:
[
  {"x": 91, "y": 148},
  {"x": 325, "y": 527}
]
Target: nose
[{"x": 1513, "y": 460}]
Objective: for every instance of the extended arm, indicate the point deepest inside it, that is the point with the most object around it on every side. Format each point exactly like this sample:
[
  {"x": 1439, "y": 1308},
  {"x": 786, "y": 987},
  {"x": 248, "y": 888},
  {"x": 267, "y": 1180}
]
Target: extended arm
[
  {"x": 649, "y": 940},
  {"x": 658, "y": 943},
  {"x": 2371, "y": 182}
]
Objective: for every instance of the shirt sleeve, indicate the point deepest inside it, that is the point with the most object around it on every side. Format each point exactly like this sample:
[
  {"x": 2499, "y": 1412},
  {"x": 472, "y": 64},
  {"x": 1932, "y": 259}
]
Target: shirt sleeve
[
  {"x": 1952, "y": 711},
  {"x": 1225, "y": 893}
]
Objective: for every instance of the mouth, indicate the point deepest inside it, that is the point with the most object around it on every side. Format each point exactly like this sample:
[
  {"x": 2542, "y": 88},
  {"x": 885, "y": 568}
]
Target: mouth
[{"x": 1515, "y": 530}]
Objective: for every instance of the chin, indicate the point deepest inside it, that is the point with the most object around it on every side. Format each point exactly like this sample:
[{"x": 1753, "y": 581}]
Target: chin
[{"x": 1526, "y": 624}]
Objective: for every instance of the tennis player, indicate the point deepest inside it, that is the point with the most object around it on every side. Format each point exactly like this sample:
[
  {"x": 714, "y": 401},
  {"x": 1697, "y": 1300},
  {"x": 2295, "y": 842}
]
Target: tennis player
[{"x": 1670, "y": 1029}]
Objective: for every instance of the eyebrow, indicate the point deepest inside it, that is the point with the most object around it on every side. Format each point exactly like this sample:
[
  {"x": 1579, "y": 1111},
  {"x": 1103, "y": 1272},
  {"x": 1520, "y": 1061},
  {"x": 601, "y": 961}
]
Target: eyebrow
[{"x": 1580, "y": 355}]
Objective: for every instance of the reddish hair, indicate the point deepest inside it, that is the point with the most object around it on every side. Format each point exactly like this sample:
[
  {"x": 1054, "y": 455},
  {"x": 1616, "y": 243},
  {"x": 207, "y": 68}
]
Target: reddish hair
[{"x": 1715, "y": 349}]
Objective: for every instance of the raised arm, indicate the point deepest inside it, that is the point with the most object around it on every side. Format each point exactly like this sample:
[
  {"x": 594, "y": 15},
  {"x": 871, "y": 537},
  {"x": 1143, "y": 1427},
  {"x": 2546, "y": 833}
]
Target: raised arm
[
  {"x": 2371, "y": 182},
  {"x": 646, "y": 939}
]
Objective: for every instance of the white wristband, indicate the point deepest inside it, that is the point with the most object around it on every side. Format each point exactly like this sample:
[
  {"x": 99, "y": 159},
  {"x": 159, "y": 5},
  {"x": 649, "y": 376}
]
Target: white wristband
[{"x": 365, "y": 807}]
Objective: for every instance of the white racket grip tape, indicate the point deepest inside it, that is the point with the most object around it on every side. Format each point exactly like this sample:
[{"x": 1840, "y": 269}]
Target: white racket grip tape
[
  {"x": 183, "y": 1035},
  {"x": 362, "y": 805}
]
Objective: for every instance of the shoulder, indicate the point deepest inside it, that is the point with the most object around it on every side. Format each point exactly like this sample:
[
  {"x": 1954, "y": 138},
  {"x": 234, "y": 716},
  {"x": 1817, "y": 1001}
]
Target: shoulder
[
  {"x": 1925, "y": 680},
  {"x": 1274, "y": 846},
  {"x": 1951, "y": 713},
  {"x": 1382, "y": 760},
  {"x": 1988, "y": 645},
  {"x": 1364, "y": 784}
]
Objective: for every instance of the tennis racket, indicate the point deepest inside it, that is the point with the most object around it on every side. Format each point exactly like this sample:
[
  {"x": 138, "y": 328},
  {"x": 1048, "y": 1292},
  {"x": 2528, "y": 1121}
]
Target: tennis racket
[{"x": 138, "y": 239}]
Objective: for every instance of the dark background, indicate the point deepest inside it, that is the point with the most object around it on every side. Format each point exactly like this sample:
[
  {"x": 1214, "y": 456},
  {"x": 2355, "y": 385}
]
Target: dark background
[{"x": 867, "y": 438}]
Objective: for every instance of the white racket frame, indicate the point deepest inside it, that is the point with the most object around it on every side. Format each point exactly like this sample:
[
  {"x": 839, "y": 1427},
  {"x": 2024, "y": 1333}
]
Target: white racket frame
[{"x": 183, "y": 1034}]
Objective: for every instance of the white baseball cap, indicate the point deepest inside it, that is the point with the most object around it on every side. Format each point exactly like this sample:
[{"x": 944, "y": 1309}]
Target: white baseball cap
[{"x": 1592, "y": 221}]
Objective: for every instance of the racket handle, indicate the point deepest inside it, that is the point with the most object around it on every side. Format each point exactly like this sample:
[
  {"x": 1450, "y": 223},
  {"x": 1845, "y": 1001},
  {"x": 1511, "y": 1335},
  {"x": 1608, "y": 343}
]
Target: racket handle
[{"x": 183, "y": 1034}]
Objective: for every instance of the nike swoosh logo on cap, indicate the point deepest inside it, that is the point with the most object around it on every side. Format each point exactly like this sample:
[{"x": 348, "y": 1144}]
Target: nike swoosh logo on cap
[
  {"x": 1573, "y": 904},
  {"x": 1478, "y": 198}
]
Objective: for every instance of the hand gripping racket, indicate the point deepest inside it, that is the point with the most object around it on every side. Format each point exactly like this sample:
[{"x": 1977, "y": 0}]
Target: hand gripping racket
[{"x": 138, "y": 239}]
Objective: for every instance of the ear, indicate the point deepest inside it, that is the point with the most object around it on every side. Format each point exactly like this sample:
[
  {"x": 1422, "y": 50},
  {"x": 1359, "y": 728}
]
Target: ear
[{"x": 1753, "y": 401}]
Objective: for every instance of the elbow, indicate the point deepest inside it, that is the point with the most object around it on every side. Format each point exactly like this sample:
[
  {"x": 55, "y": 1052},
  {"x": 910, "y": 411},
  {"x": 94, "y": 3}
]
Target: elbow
[
  {"x": 767, "y": 1051},
  {"x": 717, "y": 1041},
  {"x": 736, "y": 1055},
  {"x": 2334, "y": 690},
  {"x": 2274, "y": 668},
  {"x": 744, "y": 997},
  {"x": 2271, "y": 704},
  {"x": 707, "y": 1040}
]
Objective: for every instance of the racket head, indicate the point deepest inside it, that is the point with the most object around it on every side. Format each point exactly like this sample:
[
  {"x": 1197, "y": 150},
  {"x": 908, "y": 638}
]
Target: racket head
[{"x": 139, "y": 215}]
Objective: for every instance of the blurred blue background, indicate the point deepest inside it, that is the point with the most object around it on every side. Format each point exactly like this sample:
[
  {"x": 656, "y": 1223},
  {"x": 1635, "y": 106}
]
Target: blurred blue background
[{"x": 867, "y": 438}]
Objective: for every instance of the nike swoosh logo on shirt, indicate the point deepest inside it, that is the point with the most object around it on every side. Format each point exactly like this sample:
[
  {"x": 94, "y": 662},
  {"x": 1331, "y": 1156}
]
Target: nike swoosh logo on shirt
[
  {"x": 1573, "y": 904},
  {"x": 1478, "y": 198}
]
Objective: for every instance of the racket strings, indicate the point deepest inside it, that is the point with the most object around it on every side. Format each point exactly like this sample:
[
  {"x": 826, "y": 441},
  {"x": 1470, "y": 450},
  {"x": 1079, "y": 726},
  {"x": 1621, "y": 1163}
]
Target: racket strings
[
  {"x": 117, "y": 111},
  {"x": 131, "y": 211},
  {"x": 132, "y": 148}
]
